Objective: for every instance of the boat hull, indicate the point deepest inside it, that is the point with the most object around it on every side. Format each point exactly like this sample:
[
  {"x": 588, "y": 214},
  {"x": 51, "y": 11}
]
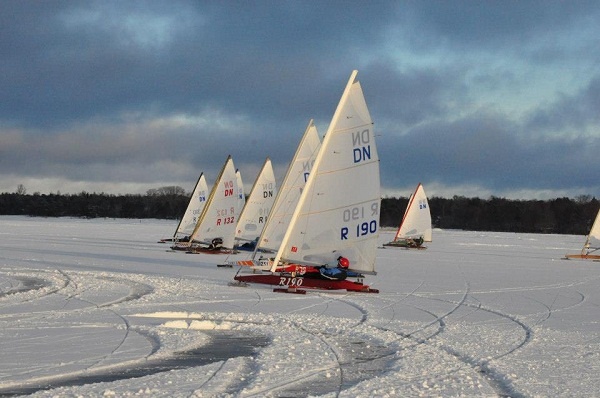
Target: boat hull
[
  {"x": 202, "y": 249},
  {"x": 291, "y": 282},
  {"x": 206, "y": 250},
  {"x": 403, "y": 245},
  {"x": 595, "y": 257}
]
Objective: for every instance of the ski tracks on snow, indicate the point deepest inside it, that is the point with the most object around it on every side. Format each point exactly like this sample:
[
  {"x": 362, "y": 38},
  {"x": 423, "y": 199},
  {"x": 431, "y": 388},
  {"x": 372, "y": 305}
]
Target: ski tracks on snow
[{"x": 52, "y": 284}]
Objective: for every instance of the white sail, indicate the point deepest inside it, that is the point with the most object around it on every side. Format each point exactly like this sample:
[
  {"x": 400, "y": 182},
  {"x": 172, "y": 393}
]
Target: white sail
[
  {"x": 240, "y": 190},
  {"x": 254, "y": 215},
  {"x": 593, "y": 239},
  {"x": 290, "y": 190},
  {"x": 417, "y": 218},
  {"x": 194, "y": 209},
  {"x": 338, "y": 211},
  {"x": 219, "y": 216}
]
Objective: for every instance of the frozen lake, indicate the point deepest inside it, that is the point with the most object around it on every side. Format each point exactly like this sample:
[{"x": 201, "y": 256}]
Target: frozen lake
[{"x": 98, "y": 308}]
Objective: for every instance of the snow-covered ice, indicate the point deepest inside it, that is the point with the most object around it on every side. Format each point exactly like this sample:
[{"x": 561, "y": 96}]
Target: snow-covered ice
[{"x": 98, "y": 308}]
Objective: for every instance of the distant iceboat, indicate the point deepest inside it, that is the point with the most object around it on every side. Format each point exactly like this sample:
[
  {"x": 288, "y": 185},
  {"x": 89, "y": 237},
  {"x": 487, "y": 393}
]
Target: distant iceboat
[
  {"x": 215, "y": 230},
  {"x": 415, "y": 227},
  {"x": 192, "y": 213},
  {"x": 591, "y": 245},
  {"x": 257, "y": 208}
]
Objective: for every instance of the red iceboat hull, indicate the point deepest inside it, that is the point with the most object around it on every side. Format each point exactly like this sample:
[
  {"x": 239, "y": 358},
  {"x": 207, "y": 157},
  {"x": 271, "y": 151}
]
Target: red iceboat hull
[{"x": 299, "y": 282}]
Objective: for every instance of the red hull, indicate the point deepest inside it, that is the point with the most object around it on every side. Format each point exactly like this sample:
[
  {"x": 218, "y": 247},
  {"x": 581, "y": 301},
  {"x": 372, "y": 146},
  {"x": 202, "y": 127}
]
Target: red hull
[{"x": 287, "y": 281}]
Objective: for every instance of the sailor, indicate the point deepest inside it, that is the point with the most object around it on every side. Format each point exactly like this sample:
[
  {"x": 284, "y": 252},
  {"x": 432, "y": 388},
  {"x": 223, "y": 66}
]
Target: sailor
[
  {"x": 416, "y": 242},
  {"x": 216, "y": 244},
  {"x": 339, "y": 273},
  {"x": 343, "y": 262}
]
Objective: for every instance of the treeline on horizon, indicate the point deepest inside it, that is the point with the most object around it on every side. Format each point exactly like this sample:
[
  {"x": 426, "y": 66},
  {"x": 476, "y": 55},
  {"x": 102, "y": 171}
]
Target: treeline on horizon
[{"x": 558, "y": 216}]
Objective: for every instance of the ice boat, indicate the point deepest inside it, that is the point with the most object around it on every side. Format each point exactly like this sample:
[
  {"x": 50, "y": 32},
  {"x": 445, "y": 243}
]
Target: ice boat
[
  {"x": 257, "y": 208},
  {"x": 215, "y": 230},
  {"x": 591, "y": 247},
  {"x": 192, "y": 212},
  {"x": 331, "y": 239},
  {"x": 415, "y": 227}
]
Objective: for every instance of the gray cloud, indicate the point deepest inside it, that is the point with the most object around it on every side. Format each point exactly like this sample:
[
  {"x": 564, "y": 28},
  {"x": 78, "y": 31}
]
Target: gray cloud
[{"x": 495, "y": 95}]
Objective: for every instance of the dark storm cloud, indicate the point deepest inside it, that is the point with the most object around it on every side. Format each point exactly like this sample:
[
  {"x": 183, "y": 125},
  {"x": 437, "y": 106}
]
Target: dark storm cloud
[
  {"x": 495, "y": 23},
  {"x": 400, "y": 99},
  {"x": 493, "y": 152},
  {"x": 575, "y": 113},
  {"x": 86, "y": 59}
]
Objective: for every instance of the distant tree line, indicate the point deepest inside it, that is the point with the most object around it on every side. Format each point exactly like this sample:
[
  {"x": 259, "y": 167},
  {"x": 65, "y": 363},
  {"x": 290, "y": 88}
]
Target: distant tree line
[
  {"x": 561, "y": 215},
  {"x": 165, "y": 202},
  {"x": 558, "y": 216}
]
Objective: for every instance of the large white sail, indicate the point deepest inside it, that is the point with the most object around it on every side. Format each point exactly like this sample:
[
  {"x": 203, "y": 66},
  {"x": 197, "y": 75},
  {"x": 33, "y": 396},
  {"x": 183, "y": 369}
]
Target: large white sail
[
  {"x": 338, "y": 211},
  {"x": 219, "y": 216},
  {"x": 290, "y": 190},
  {"x": 416, "y": 222},
  {"x": 256, "y": 210},
  {"x": 194, "y": 209}
]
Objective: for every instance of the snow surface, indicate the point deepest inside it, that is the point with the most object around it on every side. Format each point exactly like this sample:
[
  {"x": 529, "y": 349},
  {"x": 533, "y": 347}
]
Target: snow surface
[{"x": 97, "y": 308}]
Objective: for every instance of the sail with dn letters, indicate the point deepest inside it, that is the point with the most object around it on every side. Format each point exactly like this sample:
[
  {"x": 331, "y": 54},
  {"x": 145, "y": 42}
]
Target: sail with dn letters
[
  {"x": 257, "y": 208},
  {"x": 192, "y": 212},
  {"x": 415, "y": 227},
  {"x": 215, "y": 230}
]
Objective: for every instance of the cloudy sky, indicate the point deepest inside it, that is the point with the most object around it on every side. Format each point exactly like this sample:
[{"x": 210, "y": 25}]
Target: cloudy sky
[{"x": 472, "y": 98}]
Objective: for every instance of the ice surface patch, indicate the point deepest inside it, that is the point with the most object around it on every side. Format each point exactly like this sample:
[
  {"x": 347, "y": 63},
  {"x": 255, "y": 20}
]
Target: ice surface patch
[
  {"x": 208, "y": 325},
  {"x": 192, "y": 321},
  {"x": 164, "y": 314},
  {"x": 198, "y": 325}
]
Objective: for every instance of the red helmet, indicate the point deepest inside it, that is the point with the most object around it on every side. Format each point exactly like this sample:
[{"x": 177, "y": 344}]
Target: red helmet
[{"x": 343, "y": 262}]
